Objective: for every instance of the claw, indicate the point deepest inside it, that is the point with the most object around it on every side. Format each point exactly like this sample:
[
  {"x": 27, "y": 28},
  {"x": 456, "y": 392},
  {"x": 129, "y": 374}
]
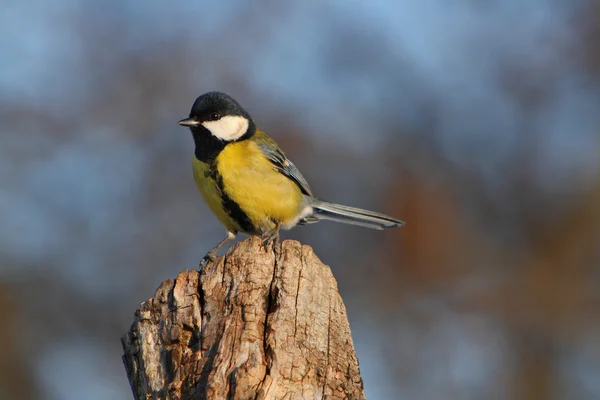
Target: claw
[
  {"x": 271, "y": 237},
  {"x": 266, "y": 241},
  {"x": 265, "y": 244},
  {"x": 212, "y": 255},
  {"x": 209, "y": 257}
]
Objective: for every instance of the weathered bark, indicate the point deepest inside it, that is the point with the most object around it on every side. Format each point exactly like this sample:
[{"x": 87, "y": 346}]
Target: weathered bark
[{"x": 251, "y": 325}]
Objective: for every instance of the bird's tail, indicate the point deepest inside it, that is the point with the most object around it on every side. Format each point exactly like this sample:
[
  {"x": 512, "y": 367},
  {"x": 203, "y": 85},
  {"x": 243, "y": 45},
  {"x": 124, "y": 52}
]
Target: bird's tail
[{"x": 352, "y": 215}]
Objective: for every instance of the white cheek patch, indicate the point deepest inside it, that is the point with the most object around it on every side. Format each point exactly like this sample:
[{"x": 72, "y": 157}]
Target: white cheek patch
[{"x": 228, "y": 128}]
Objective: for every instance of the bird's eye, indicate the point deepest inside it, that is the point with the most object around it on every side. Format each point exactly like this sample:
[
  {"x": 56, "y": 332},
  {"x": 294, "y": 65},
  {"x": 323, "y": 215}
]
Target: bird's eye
[{"x": 214, "y": 116}]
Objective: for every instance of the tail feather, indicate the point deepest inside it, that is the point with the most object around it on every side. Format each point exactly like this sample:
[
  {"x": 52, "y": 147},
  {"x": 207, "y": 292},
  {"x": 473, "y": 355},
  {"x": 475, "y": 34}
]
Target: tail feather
[{"x": 352, "y": 215}]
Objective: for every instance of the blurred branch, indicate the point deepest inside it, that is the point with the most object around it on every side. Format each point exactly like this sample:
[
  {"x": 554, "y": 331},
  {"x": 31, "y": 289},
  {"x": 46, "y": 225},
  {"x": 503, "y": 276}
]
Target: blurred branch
[
  {"x": 15, "y": 375},
  {"x": 252, "y": 324}
]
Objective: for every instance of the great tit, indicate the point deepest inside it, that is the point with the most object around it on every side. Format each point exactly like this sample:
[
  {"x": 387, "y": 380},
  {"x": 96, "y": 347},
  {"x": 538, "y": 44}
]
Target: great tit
[{"x": 248, "y": 182}]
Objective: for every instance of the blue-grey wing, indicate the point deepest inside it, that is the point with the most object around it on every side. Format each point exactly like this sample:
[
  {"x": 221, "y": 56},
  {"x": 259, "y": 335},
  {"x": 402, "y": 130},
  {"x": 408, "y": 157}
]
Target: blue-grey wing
[{"x": 285, "y": 166}]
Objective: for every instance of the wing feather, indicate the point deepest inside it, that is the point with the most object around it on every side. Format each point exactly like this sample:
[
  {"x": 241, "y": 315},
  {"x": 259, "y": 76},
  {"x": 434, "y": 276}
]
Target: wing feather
[{"x": 284, "y": 165}]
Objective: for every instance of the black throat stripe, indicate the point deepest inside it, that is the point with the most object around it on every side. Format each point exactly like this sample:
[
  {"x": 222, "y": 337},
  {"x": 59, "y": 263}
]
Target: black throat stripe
[
  {"x": 233, "y": 209},
  {"x": 208, "y": 146},
  {"x": 230, "y": 207}
]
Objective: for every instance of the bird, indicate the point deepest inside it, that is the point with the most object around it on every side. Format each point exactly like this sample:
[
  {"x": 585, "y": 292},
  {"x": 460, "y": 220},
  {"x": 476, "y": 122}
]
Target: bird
[{"x": 249, "y": 183}]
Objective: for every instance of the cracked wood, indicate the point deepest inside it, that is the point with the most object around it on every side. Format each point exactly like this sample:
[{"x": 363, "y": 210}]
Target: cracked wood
[{"x": 253, "y": 324}]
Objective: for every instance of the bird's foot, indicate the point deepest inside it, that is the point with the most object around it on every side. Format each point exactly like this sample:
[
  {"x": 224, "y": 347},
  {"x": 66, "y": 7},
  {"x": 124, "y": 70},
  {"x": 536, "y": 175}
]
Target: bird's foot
[
  {"x": 270, "y": 238},
  {"x": 209, "y": 257}
]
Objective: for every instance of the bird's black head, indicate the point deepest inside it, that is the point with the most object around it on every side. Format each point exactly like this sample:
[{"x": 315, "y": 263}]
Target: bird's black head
[{"x": 219, "y": 115}]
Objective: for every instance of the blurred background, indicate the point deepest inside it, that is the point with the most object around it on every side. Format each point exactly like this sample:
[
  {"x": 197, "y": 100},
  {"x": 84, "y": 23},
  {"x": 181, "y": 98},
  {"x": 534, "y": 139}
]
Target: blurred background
[{"x": 476, "y": 122}]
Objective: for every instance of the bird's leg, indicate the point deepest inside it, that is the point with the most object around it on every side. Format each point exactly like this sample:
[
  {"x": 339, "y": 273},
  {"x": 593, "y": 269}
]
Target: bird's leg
[
  {"x": 211, "y": 255},
  {"x": 271, "y": 236},
  {"x": 276, "y": 240}
]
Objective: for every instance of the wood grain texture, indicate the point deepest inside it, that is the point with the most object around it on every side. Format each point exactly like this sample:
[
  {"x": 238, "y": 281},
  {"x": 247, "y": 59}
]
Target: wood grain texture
[{"x": 253, "y": 324}]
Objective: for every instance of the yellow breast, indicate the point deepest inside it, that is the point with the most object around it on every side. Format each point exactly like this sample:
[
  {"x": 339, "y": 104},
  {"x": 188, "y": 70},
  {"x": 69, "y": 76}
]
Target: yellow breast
[
  {"x": 210, "y": 192},
  {"x": 250, "y": 180}
]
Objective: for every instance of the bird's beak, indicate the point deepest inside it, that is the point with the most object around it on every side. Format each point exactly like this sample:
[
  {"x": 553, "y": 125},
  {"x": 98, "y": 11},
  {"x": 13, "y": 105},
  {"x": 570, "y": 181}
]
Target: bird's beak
[{"x": 189, "y": 122}]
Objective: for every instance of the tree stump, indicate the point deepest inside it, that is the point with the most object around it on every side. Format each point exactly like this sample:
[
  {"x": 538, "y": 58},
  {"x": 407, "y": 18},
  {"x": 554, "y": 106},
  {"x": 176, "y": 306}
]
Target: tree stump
[{"x": 253, "y": 324}]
